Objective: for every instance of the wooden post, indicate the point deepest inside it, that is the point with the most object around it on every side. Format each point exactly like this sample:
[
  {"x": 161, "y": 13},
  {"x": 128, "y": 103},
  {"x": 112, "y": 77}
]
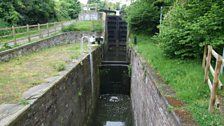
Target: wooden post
[
  {"x": 204, "y": 57},
  {"x": 208, "y": 63},
  {"x": 222, "y": 63},
  {"x": 62, "y": 25},
  {"x": 14, "y": 34},
  {"x": 48, "y": 32},
  {"x": 28, "y": 32},
  {"x": 215, "y": 83},
  {"x": 39, "y": 30},
  {"x": 55, "y": 28}
]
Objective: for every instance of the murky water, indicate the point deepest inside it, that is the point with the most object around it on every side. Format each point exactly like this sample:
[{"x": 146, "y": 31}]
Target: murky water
[{"x": 113, "y": 110}]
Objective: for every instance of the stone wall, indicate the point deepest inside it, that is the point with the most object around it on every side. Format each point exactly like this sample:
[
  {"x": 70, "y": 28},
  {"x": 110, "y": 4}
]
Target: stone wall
[
  {"x": 67, "y": 101},
  {"x": 150, "y": 108},
  {"x": 69, "y": 37}
]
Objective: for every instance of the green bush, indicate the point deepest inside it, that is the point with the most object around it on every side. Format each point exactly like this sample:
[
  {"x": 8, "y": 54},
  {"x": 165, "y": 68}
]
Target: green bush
[
  {"x": 22, "y": 12},
  {"x": 188, "y": 26},
  {"x": 71, "y": 27},
  {"x": 59, "y": 67},
  {"x": 3, "y": 23},
  {"x": 143, "y": 16}
]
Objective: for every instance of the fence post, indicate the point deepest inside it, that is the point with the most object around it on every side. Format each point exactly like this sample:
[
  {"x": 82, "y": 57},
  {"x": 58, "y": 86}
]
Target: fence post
[
  {"x": 40, "y": 35},
  {"x": 28, "y": 32},
  {"x": 208, "y": 63},
  {"x": 14, "y": 34},
  {"x": 204, "y": 57},
  {"x": 62, "y": 25},
  {"x": 215, "y": 83},
  {"x": 48, "y": 32},
  {"x": 222, "y": 63},
  {"x": 55, "y": 28}
]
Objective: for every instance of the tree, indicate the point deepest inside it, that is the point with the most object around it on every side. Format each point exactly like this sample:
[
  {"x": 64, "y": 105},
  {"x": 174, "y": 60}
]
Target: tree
[
  {"x": 143, "y": 16},
  {"x": 35, "y": 11},
  {"x": 27, "y": 11},
  {"x": 73, "y": 8},
  {"x": 8, "y": 12},
  {"x": 189, "y": 26},
  {"x": 67, "y": 9}
]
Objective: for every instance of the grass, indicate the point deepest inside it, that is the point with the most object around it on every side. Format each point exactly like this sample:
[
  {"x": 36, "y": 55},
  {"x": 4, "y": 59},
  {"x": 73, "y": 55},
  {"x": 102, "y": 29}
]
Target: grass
[
  {"x": 85, "y": 26},
  {"x": 185, "y": 77},
  {"x": 59, "y": 67},
  {"x": 22, "y": 73}
]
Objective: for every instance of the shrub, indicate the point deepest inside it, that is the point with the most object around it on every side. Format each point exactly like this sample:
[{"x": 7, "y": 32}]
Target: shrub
[
  {"x": 143, "y": 16},
  {"x": 71, "y": 27},
  {"x": 59, "y": 67},
  {"x": 188, "y": 26}
]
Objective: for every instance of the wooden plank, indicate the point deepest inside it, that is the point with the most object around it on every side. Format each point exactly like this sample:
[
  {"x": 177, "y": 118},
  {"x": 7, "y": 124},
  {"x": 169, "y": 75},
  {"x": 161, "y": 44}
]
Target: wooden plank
[
  {"x": 7, "y": 28},
  {"x": 212, "y": 70},
  {"x": 19, "y": 27},
  {"x": 210, "y": 84},
  {"x": 43, "y": 24},
  {"x": 215, "y": 83},
  {"x": 33, "y": 25},
  {"x": 208, "y": 63},
  {"x": 6, "y": 36},
  {"x": 204, "y": 57},
  {"x": 213, "y": 74},
  {"x": 215, "y": 54}
]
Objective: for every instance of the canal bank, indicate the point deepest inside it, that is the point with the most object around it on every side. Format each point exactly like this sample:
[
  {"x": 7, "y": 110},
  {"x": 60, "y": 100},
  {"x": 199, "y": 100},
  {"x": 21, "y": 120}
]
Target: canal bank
[{"x": 71, "y": 101}]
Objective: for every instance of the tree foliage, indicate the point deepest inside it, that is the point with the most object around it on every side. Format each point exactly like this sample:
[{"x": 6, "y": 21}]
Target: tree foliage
[
  {"x": 188, "y": 26},
  {"x": 72, "y": 7},
  {"x": 38, "y": 11},
  {"x": 8, "y": 12},
  {"x": 143, "y": 16}
]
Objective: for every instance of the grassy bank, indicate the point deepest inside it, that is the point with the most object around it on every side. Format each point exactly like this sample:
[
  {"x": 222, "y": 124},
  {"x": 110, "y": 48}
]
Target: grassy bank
[
  {"x": 185, "y": 77},
  {"x": 24, "y": 72},
  {"x": 85, "y": 26}
]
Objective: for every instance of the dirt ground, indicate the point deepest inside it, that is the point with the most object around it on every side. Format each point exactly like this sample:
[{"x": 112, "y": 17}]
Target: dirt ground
[{"x": 185, "y": 117}]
